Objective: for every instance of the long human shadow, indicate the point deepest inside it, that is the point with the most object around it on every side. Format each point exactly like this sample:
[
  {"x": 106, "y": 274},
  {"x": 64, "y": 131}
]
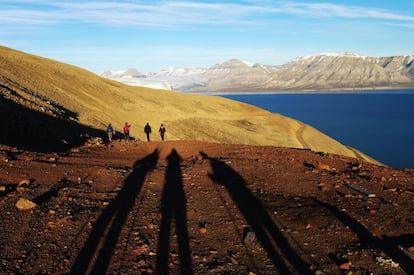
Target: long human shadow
[
  {"x": 173, "y": 207},
  {"x": 107, "y": 228},
  {"x": 258, "y": 219},
  {"x": 389, "y": 245}
]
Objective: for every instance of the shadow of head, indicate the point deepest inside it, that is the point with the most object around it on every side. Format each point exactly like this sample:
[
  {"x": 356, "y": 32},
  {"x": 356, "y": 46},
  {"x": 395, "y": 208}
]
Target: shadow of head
[
  {"x": 148, "y": 162},
  {"x": 222, "y": 173},
  {"x": 174, "y": 157}
]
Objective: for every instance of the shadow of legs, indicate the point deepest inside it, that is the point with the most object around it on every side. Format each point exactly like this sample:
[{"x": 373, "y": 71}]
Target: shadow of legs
[
  {"x": 388, "y": 245},
  {"x": 107, "y": 228},
  {"x": 173, "y": 207},
  {"x": 267, "y": 232}
]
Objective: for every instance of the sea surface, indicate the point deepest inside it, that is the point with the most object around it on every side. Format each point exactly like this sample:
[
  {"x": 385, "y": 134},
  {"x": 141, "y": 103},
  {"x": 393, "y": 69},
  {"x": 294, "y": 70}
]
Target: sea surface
[{"x": 378, "y": 123}]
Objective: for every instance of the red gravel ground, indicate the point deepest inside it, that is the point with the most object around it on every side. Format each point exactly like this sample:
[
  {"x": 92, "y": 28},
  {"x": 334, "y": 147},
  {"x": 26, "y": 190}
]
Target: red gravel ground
[{"x": 199, "y": 208}]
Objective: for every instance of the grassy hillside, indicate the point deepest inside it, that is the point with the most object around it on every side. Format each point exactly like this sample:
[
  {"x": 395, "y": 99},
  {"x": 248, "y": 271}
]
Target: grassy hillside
[{"x": 73, "y": 94}]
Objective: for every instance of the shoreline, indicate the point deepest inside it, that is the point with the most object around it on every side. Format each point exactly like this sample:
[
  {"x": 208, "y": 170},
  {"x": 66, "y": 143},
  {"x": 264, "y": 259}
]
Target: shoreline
[{"x": 357, "y": 131}]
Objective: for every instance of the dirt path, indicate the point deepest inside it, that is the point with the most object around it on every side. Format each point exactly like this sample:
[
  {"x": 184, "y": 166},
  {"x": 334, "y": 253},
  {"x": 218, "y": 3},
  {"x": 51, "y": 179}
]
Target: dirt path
[{"x": 299, "y": 136}]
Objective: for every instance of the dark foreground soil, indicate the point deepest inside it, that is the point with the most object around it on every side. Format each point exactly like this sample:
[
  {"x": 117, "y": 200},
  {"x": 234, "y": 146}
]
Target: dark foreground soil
[{"x": 199, "y": 208}]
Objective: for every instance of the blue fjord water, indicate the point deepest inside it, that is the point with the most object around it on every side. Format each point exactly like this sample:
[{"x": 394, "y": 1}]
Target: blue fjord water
[{"x": 378, "y": 123}]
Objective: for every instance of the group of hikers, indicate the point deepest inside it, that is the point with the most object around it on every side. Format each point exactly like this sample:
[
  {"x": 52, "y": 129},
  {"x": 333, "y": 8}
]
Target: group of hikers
[{"x": 147, "y": 130}]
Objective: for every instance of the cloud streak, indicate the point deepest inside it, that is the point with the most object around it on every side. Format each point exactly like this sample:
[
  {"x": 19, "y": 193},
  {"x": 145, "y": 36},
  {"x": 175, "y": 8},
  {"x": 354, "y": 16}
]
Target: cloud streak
[
  {"x": 327, "y": 10},
  {"x": 101, "y": 34},
  {"x": 182, "y": 13}
]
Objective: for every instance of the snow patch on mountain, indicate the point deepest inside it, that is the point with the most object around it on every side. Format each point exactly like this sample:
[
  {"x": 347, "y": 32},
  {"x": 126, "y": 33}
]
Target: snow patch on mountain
[
  {"x": 248, "y": 63},
  {"x": 329, "y": 54},
  {"x": 180, "y": 79},
  {"x": 129, "y": 73}
]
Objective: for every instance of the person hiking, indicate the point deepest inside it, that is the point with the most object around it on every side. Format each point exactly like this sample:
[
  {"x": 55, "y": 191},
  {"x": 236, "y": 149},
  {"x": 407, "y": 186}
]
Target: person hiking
[
  {"x": 147, "y": 130},
  {"x": 126, "y": 131},
  {"x": 109, "y": 131},
  {"x": 162, "y": 131}
]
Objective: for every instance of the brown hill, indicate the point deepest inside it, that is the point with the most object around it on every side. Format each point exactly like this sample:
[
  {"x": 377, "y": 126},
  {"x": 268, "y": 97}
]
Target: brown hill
[
  {"x": 202, "y": 208},
  {"x": 79, "y": 104}
]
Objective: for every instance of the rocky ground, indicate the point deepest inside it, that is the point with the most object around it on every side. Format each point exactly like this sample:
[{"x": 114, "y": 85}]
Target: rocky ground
[{"x": 202, "y": 208}]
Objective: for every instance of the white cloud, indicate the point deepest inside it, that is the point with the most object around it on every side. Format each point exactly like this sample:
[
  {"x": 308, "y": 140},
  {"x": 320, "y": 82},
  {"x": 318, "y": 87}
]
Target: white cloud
[
  {"x": 404, "y": 25},
  {"x": 181, "y": 13},
  {"x": 131, "y": 14},
  {"x": 335, "y": 10}
]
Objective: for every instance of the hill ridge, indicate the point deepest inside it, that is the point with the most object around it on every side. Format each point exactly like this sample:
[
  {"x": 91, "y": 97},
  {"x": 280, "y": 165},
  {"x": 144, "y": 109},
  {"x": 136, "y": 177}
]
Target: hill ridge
[{"x": 94, "y": 102}]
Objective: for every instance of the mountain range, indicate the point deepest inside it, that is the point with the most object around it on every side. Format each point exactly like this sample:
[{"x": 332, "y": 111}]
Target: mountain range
[{"x": 322, "y": 72}]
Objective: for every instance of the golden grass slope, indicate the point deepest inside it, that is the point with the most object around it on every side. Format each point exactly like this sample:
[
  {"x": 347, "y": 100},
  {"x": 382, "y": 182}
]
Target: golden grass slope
[{"x": 99, "y": 101}]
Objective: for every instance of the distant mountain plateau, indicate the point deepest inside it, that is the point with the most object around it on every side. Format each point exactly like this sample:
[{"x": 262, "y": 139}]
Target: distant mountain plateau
[{"x": 322, "y": 72}]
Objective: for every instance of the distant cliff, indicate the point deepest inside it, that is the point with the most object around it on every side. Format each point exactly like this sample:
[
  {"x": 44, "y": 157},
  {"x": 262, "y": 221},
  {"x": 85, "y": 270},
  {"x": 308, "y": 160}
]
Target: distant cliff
[
  {"x": 318, "y": 72},
  {"x": 322, "y": 72}
]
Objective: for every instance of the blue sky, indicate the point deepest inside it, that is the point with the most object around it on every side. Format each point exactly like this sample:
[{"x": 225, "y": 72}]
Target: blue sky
[{"x": 151, "y": 35}]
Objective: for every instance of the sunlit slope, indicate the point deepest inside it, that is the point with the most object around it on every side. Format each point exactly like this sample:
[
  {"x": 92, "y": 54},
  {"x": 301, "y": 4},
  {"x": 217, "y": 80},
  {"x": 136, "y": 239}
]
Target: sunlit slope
[{"x": 51, "y": 86}]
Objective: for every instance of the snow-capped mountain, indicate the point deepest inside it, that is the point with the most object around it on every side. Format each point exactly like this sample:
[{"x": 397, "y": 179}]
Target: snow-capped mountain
[
  {"x": 179, "y": 79},
  {"x": 325, "y": 71},
  {"x": 129, "y": 73}
]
